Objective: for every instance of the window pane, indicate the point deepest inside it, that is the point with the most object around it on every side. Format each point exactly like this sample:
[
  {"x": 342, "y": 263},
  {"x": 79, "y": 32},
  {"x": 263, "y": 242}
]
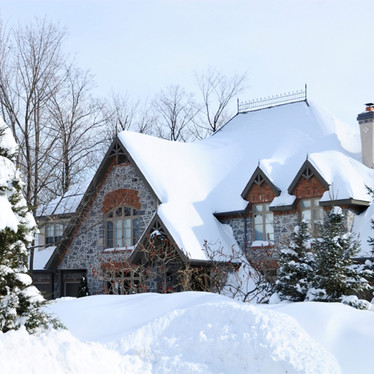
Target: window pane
[
  {"x": 306, "y": 204},
  {"x": 127, "y": 212},
  {"x": 269, "y": 218},
  {"x": 49, "y": 230},
  {"x": 127, "y": 232},
  {"x": 307, "y": 215},
  {"x": 119, "y": 234},
  {"x": 119, "y": 212},
  {"x": 135, "y": 212},
  {"x": 258, "y": 219},
  {"x": 258, "y": 233},
  {"x": 109, "y": 234},
  {"x": 318, "y": 213},
  {"x": 59, "y": 229},
  {"x": 257, "y": 208}
]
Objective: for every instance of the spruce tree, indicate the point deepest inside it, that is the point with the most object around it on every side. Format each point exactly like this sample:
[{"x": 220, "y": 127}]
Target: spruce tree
[
  {"x": 296, "y": 266},
  {"x": 335, "y": 273},
  {"x": 20, "y": 301}
]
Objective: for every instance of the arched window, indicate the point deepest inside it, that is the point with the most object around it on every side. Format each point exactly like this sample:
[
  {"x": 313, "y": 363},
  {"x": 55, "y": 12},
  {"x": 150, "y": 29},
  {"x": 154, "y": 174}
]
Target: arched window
[{"x": 120, "y": 227}]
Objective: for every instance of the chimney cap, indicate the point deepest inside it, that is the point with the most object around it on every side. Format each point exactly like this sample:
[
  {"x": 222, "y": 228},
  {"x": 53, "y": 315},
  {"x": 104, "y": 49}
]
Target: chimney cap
[{"x": 369, "y": 107}]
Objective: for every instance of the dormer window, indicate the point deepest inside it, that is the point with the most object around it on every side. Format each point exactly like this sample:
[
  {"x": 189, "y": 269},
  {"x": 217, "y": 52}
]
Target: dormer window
[
  {"x": 120, "y": 227},
  {"x": 263, "y": 222}
]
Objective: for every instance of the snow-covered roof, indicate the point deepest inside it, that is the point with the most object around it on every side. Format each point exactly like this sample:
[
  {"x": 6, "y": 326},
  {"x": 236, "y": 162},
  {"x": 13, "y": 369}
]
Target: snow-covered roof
[
  {"x": 195, "y": 180},
  {"x": 65, "y": 204}
]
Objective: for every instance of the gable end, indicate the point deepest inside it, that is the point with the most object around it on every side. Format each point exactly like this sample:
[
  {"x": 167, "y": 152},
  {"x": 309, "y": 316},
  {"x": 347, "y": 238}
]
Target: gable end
[
  {"x": 260, "y": 188},
  {"x": 315, "y": 186}
]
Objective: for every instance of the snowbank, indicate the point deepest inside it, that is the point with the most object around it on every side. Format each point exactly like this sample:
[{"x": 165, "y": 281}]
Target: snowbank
[{"x": 193, "y": 333}]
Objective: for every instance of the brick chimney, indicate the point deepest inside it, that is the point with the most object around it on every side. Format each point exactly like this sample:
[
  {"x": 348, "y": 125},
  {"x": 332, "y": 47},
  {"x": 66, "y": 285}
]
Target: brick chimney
[{"x": 366, "y": 122}]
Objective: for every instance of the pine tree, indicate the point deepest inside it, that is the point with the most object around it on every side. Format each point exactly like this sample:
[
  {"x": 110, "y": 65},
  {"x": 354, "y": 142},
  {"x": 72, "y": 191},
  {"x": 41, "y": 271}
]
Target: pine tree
[
  {"x": 20, "y": 301},
  {"x": 296, "y": 266},
  {"x": 335, "y": 273}
]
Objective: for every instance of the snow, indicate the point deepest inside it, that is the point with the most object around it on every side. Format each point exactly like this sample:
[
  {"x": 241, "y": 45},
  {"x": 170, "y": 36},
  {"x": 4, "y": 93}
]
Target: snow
[
  {"x": 193, "y": 333},
  {"x": 207, "y": 177},
  {"x": 66, "y": 203},
  {"x": 42, "y": 256}
]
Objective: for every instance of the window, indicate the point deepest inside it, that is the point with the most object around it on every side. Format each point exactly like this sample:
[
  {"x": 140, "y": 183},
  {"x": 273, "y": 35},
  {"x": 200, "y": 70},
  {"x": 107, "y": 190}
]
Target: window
[
  {"x": 263, "y": 222},
  {"x": 53, "y": 232},
  {"x": 119, "y": 227},
  {"x": 312, "y": 213},
  {"x": 124, "y": 282}
]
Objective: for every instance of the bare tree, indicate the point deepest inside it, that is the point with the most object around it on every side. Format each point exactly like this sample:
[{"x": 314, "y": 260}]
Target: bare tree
[
  {"x": 218, "y": 91},
  {"x": 75, "y": 120},
  {"x": 176, "y": 110},
  {"x": 30, "y": 74}
]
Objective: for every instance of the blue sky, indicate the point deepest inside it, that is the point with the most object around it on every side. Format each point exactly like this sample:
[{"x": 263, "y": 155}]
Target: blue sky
[{"x": 137, "y": 47}]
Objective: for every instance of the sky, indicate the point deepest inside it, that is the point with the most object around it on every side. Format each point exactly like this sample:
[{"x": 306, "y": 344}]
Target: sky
[{"x": 138, "y": 47}]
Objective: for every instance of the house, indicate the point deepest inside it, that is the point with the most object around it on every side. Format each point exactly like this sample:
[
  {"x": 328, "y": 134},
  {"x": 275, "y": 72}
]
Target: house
[{"x": 247, "y": 186}]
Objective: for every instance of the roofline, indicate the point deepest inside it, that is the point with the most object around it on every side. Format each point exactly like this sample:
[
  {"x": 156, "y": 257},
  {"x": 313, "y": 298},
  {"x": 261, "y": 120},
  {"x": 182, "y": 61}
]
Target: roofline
[
  {"x": 350, "y": 201},
  {"x": 233, "y": 212}
]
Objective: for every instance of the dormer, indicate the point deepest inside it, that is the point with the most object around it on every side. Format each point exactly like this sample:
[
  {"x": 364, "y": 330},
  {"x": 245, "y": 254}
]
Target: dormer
[
  {"x": 260, "y": 189},
  {"x": 308, "y": 182}
]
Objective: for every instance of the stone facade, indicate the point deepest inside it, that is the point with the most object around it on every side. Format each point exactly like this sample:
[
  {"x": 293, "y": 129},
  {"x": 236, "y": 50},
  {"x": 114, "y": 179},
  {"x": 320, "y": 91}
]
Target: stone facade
[{"x": 86, "y": 250}]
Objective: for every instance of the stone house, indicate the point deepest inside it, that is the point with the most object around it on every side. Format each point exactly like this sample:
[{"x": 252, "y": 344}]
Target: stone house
[{"x": 247, "y": 187}]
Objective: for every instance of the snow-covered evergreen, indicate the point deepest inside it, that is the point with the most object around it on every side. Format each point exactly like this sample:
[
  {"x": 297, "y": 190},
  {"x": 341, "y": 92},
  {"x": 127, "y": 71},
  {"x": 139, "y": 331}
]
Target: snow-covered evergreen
[
  {"x": 335, "y": 273},
  {"x": 19, "y": 299},
  {"x": 295, "y": 266}
]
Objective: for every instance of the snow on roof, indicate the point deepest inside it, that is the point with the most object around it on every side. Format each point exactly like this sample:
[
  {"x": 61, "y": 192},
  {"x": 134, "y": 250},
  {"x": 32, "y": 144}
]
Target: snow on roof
[
  {"x": 41, "y": 257},
  {"x": 195, "y": 180},
  {"x": 66, "y": 203}
]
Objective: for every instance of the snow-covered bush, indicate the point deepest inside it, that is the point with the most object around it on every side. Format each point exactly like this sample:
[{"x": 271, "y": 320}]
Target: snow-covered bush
[
  {"x": 355, "y": 302},
  {"x": 19, "y": 299}
]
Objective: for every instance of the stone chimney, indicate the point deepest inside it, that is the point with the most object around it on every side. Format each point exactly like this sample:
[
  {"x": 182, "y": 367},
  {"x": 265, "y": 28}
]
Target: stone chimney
[{"x": 366, "y": 122}]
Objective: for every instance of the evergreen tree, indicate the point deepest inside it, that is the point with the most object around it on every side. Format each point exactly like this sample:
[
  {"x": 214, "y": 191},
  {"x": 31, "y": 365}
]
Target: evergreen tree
[
  {"x": 19, "y": 299},
  {"x": 335, "y": 273},
  {"x": 296, "y": 266},
  {"x": 83, "y": 288}
]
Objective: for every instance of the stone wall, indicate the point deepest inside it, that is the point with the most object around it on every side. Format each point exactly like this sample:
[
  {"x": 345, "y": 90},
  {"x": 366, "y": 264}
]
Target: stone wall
[{"x": 87, "y": 248}]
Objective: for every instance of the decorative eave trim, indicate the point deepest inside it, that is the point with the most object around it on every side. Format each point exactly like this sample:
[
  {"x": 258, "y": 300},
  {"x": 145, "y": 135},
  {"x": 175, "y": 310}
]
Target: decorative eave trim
[
  {"x": 116, "y": 149},
  {"x": 350, "y": 201},
  {"x": 306, "y": 168},
  {"x": 156, "y": 219},
  {"x": 258, "y": 177}
]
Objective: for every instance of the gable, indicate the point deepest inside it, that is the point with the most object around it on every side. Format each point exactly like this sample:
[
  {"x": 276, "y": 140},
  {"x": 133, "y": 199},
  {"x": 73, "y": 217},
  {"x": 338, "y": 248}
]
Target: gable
[
  {"x": 155, "y": 227},
  {"x": 118, "y": 171},
  {"x": 308, "y": 182},
  {"x": 260, "y": 188}
]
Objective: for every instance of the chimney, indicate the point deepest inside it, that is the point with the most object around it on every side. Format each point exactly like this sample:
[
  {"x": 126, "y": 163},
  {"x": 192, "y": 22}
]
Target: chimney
[{"x": 366, "y": 122}]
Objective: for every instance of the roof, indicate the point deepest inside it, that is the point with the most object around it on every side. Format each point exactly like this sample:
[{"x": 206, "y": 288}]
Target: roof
[
  {"x": 195, "y": 180},
  {"x": 65, "y": 204}
]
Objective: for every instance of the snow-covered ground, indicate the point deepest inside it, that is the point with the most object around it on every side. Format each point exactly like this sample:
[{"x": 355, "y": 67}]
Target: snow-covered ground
[{"x": 193, "y": 333}]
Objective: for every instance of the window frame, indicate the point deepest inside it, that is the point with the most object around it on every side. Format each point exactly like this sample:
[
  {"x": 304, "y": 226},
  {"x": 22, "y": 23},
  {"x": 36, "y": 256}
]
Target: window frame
[
  {"x": 314, "y": 207},
  {"x": 264, "y": 213},
  {"x": 54, "y": 238},
  {"x": 120, "y": 224}
]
